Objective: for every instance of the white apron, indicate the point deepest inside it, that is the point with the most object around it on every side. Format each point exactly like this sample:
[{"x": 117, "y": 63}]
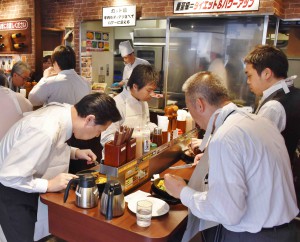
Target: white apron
[{"x": 197, "y": 182}]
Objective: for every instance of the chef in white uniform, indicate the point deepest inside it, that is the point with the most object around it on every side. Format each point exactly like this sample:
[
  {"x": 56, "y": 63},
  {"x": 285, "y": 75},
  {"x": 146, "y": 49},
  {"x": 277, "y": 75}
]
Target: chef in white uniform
[
  {"x": 12, "y": 106},
  {"x": 34, "y": 158},
  {"x": 132, "y": 101},
  {"x": 130, "y": 61}
]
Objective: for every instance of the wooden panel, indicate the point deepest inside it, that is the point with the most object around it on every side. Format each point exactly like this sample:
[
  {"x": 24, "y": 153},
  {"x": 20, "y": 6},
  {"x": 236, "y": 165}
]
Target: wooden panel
[
  {"x": 15, "y": 33},
  {"x": 51, "y": 39},
  {"x": 71, "y": 223}
]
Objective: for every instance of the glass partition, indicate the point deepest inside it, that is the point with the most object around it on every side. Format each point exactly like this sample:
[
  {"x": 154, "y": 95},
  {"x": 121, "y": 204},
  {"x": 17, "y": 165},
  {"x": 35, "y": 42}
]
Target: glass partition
[{"x": 214, "y": 44}]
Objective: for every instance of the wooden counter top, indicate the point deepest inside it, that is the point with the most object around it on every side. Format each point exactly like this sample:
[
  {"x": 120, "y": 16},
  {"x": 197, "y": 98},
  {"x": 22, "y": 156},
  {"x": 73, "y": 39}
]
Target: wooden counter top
[{"x": 71, "y": 223}]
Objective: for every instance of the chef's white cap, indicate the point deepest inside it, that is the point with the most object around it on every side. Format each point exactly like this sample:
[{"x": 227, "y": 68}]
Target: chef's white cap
[{"x": 125, "y": 48}]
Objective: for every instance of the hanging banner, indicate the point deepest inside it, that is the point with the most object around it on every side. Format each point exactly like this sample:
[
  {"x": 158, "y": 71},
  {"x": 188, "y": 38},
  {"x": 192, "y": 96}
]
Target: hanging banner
[
  {"x": 119, "y": 16},
  {"x": 205, "y": 6}
]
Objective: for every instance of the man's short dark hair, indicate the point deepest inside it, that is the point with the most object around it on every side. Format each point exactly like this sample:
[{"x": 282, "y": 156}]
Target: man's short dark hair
[
  {"x": 267, "y": 56},
  {"x": 102, "y": 106},
  {"x": 65, "y": 57},
  {"x": 143, "y": 75}
]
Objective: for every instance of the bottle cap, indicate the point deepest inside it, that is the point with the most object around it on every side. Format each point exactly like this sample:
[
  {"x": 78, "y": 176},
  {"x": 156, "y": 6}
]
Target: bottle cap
[{"x": 157, "y": 130}]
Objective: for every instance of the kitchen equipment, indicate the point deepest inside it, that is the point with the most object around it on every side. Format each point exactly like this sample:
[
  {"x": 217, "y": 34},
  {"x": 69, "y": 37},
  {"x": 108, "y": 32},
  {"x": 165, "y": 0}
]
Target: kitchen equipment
[
  {"x": 87, "y": 194},
  {"x": 112, "y": 200}
]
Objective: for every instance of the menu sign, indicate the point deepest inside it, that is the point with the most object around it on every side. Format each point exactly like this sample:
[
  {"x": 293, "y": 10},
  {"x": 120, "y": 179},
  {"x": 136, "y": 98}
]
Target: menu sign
[
  {"x": 119, "y": 16},
  {"x": 204, "y": 6},
  {"x": 97, "y": 41},
  {"x": 14, "y": 25}
]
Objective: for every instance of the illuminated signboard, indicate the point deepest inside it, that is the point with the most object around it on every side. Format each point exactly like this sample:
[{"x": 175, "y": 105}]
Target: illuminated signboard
[{"x": 205, "y": 6}]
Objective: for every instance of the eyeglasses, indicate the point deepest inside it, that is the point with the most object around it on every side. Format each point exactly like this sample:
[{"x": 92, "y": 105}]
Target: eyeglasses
[{"x": 24, "y": 78}]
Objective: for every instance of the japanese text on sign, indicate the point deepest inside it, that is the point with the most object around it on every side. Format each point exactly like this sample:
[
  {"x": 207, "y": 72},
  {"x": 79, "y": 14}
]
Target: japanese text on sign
[
  {"x": 14, "y": 25},
  {"x": 119, "y": 16},
  {"x": 202, "y": 6}
]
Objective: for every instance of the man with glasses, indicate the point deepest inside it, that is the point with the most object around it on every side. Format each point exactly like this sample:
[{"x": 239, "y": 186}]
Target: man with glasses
[{"x": 20, "y": 73}]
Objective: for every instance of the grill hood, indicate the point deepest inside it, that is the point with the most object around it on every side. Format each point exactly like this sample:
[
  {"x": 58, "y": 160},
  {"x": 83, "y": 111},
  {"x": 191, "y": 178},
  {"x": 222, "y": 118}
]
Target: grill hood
[{"x": 149, "y": 36}]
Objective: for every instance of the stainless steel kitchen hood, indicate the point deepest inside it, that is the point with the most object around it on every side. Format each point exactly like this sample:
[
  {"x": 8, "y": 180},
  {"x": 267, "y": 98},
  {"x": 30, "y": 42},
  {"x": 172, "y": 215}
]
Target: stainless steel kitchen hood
[{"x": 149, "y": 36}]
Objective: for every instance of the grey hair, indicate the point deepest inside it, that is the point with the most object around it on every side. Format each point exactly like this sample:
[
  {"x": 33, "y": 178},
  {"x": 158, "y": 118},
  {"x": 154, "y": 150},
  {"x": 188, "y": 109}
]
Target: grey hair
[
  {"x": 19, "y": 67},
  {"x": 206, "y": 85}
]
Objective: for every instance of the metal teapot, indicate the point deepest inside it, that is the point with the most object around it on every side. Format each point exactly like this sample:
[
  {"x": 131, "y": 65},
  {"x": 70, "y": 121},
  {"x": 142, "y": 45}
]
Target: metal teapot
[
  {"x": 87, "y": 194},
  {"x": 112, "y": 200}
]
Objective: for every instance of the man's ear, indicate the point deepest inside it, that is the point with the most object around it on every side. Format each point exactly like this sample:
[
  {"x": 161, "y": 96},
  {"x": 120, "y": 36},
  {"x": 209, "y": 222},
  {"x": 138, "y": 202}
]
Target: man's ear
[
  {"x": 90, "y": 120},
  {"x": 135, "y": 87},
  {"x": 266, "y": 74},
  {"x": 200, "y": 104}
]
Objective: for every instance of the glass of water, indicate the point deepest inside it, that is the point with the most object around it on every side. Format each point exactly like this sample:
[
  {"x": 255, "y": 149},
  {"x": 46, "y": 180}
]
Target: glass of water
[{"x": 143, "y": 213}]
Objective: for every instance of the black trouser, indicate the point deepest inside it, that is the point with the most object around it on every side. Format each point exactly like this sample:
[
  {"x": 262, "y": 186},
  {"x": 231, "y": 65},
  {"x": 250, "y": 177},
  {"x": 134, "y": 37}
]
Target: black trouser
[
  {"x": 18, "y": 212},
  {"x": 284, "y": 233}
]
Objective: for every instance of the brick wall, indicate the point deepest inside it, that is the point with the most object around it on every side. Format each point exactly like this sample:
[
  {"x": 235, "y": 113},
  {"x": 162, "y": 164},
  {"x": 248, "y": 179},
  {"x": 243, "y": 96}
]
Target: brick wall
[{"x": 10, "y": 9}]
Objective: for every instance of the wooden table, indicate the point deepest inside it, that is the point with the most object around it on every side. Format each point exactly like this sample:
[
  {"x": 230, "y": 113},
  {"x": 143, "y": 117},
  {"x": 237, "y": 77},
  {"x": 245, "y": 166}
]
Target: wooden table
[{"x": 71, "y": 223}]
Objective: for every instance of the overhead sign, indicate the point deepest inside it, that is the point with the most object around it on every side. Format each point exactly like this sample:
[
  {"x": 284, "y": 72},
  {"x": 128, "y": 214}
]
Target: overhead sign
[
  {"x": 205, "y": 6},
  {"x": 119, "y": 16}
]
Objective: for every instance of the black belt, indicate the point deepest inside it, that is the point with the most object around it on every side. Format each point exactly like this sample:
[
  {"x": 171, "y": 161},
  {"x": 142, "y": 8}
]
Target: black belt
[{"x": 276, "y": 227}]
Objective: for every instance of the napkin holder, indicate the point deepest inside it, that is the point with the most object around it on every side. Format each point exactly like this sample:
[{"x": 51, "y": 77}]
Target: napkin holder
[
  {"x": 130, "y": 149},
  {"x": 115, "y": 155}
]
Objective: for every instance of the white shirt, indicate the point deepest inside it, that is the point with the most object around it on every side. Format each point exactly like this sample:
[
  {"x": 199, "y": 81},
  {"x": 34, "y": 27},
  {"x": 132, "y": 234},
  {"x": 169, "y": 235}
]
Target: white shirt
[
  {"x": 217, "y": 66},
  {"x": 34, "y": 149},
  {"x": 12, "y": 106},
  {"x": 129, "y": 68},
  {"x": 66, "y": 87},
  {"x": 133, "y": 113},
  {"x": 250, "y": 179},
  {"x": 273, "y": 110}
]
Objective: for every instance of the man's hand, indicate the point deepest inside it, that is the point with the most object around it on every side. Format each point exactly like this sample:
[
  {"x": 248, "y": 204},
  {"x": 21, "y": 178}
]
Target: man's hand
[
  {"x": 174, "y": 185},
  {"x": 59, "y": 182},
  {"x": 197, "y": 158},
  {"x": 49, "y": 72},
  {"x": 85, "y": 155}
]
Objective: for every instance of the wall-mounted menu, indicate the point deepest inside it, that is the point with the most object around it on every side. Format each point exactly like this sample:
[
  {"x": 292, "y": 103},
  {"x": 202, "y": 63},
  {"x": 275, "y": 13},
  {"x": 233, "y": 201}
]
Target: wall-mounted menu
[
  {"x": 15, "y": 36},
  {"x": 97, "y": 41}
]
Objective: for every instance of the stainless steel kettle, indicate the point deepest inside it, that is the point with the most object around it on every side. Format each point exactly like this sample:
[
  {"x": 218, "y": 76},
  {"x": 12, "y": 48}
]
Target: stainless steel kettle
[
  {"x": 112, "y": 200},
  {"x": 87, "y": 194}
]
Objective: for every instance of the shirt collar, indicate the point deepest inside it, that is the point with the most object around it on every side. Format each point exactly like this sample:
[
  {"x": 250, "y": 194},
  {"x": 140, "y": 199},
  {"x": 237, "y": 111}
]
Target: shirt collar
[
  {"x": 215, "y": 121},
  {"x": 282, "y": 84}
]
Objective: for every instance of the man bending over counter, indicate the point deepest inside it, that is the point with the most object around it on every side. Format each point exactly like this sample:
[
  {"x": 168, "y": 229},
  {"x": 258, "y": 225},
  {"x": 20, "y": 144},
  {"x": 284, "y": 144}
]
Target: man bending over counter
[
  {"x": 250, "y": 186},
  {"x": 34, "y": 158},
  {"x": 132, "y": 101}
]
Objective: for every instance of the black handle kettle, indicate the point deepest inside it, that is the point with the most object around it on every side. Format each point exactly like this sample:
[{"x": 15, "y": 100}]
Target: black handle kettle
[
  {"x": 112, "y": 200},
  {"x": 87, "y": 194}
]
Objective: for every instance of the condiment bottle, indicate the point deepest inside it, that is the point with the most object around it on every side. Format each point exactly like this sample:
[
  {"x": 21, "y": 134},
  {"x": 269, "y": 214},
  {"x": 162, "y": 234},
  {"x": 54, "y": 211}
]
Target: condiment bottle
[
  {"x": 189, "y": 122},
  {"x": 146, "y": 139},
  {"x": 157, "y": 136},
  {"x": 137, "y": 134}
]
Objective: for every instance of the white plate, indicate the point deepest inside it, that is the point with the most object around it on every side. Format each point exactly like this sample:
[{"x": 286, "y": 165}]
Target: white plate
[{"x": 159, "y": 207}]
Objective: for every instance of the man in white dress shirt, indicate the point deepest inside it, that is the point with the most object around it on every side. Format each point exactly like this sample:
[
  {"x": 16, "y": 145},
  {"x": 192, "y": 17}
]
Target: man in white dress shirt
[
  {"x": 250, "y": 185},
  {"x": 12, "y": 106},
  {"x": 64, "y": 87},
  {"x": 130, "y": 61},
  {"x": 34, "y": 158}
]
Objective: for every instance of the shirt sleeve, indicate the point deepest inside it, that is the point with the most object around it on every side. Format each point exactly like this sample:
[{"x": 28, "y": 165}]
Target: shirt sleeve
[
  {"x": 225, "y": 201},
  {"x": 39, "y": 93},
  {"x": 274, "y": 111},
  {"x": 24, "y": 103},
  {"x": 28, "y": 155}
]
